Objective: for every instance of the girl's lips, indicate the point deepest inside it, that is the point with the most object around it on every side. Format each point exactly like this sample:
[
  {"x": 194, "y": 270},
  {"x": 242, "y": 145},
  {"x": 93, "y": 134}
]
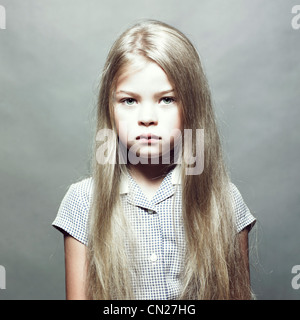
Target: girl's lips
[{"x": 148, "y": 136}]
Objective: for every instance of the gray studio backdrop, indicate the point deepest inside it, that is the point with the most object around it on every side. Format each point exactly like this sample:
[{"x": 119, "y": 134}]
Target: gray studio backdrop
[{"x": 51, "y": 56}]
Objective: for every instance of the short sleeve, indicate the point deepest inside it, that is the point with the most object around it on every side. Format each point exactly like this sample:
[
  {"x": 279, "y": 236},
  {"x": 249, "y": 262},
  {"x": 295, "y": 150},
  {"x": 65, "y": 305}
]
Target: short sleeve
[
  {"x": 73, "y": 213},
  {"x": 244, "y": 217}
]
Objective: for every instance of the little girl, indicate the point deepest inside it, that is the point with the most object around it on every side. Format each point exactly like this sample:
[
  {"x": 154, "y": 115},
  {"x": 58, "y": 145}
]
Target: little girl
[{"x": 146, "y": 225}]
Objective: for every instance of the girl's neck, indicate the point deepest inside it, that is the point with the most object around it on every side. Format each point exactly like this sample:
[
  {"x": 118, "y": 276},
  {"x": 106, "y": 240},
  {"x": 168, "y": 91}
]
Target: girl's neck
[
  {"x": 149, "y": 176},
  {"x": 149, "y": 171}
]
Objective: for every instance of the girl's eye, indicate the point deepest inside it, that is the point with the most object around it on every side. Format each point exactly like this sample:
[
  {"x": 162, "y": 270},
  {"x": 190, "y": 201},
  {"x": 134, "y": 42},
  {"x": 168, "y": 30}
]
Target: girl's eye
[
  {"x": 128, "y": 101},
  {"x": 168, "y": 100}
]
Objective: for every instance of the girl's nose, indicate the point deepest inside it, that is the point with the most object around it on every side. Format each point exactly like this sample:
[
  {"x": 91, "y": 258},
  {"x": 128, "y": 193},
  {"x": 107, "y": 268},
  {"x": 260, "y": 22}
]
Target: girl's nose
[{"x": 147, "y": 115}]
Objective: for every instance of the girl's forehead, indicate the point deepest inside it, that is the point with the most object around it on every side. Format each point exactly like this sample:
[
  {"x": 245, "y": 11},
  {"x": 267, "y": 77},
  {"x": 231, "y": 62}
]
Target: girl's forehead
[
  {"x": 143, "y": 73},
  {"x": 134, "y": 65}
]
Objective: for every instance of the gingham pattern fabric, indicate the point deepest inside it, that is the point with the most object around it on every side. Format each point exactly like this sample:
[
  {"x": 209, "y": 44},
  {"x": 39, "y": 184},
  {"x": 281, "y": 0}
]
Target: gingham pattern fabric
[{"x": 159, "y": 256}]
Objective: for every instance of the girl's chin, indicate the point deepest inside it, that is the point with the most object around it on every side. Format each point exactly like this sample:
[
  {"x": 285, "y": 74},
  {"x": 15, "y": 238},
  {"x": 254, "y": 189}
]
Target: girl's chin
[
  {"x": 151, "y": 154},
  {"x": 144, "y": 158},
  {"x": 149, "y": 158}
]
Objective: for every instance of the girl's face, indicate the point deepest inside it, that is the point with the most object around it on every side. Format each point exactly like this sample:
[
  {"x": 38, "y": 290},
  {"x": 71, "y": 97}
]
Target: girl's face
[{"x": 146, "y": 111}]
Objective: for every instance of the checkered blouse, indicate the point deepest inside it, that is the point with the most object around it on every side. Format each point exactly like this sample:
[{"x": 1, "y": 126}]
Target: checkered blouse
[{"x": 159, "y": 228}]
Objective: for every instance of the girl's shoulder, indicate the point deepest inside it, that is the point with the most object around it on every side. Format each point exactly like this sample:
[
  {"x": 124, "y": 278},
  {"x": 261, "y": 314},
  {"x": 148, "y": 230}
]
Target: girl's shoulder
[
  {"x": 244, "y": 217},
  {"x": 73, "y": 212},
  {"x": 80, "y": 193},
  {"x": 236, "y": 196},
  {"x": 83, "y": 186}
]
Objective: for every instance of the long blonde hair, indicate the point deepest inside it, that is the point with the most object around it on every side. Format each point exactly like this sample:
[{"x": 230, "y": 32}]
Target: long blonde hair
[{"x": 214, "y": 266}]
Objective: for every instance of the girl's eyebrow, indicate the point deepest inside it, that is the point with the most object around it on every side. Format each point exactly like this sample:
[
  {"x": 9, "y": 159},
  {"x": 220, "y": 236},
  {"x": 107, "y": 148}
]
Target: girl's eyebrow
[{"x": 135, "y": 94}]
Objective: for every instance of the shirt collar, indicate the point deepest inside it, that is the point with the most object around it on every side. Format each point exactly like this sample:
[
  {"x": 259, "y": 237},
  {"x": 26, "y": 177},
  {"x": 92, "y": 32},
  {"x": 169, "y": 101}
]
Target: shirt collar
[{"x": 176, "y": 179}]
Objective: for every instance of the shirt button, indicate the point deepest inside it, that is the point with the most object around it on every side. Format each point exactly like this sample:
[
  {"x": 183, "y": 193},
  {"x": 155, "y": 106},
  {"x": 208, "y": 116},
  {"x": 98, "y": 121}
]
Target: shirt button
[{"x": 153, "y": 257}]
